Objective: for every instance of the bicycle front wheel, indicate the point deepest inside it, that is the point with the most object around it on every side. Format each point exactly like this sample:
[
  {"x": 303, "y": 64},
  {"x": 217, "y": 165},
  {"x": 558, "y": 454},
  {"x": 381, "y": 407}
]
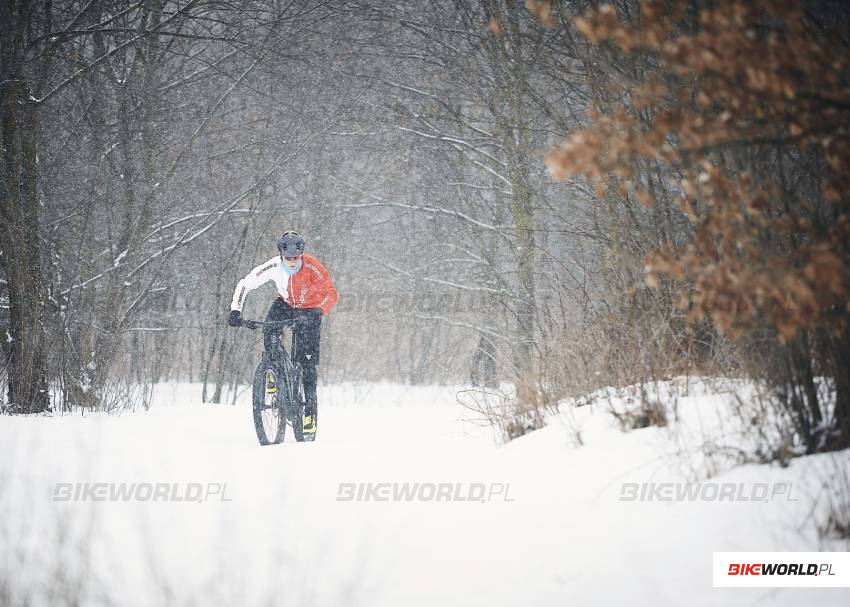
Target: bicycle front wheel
[{"x": 269, "y": 420}]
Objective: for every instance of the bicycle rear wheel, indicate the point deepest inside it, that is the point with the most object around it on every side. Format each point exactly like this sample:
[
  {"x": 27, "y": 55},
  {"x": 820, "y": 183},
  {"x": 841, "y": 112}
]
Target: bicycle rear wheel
[
  {"x": 269, "y": 419},
  {"x": 298, "y": 409}
]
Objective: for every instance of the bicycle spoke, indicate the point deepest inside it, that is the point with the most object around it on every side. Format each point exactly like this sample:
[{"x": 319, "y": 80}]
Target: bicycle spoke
[{"x": 270, "y": 413}]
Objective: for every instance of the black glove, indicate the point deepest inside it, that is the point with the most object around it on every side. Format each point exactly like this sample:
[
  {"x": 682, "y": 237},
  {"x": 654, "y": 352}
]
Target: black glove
[{"x": 235, "y": 318}]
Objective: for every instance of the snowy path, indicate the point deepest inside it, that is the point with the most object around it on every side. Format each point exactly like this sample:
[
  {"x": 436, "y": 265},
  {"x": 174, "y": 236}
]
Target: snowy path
[{"x": 285, "y": 539}]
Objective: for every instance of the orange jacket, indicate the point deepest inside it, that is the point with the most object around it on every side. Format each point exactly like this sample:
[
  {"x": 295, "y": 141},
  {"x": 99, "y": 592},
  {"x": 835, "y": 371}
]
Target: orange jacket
[{"x": 309, "y": 287}]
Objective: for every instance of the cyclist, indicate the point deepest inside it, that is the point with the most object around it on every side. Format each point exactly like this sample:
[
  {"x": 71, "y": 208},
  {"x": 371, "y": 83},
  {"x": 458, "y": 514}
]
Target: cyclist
[{"x": 305, "y": 294}]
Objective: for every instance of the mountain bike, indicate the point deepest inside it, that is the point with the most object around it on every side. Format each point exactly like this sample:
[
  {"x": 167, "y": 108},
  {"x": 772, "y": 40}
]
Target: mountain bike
[{"x": 278, "y": 393}]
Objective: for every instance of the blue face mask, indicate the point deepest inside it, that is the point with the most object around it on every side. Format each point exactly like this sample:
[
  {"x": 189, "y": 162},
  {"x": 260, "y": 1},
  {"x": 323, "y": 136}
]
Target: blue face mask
[{"x": 289, "y": 270}]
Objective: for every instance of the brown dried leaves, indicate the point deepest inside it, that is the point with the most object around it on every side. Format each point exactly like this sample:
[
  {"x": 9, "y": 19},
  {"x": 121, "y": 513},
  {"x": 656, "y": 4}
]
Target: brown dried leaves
[{"x": 751, "y": 75}]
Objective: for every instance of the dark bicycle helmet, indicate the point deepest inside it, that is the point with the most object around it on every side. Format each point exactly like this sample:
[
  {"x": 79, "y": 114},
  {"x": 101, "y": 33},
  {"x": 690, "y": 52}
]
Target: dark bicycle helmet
[{"x": 291, "y": 244}]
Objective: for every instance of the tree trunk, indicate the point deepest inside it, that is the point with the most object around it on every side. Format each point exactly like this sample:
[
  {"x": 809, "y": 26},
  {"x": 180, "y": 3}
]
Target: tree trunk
[{"x": 20, "y": 259}]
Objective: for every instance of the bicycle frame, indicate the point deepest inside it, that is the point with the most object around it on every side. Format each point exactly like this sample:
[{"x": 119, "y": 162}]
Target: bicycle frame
[{"x": 290, "y": 369}]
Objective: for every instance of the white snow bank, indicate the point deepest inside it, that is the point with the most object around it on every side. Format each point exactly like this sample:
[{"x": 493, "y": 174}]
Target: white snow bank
[{"x": 565, "y": 538}]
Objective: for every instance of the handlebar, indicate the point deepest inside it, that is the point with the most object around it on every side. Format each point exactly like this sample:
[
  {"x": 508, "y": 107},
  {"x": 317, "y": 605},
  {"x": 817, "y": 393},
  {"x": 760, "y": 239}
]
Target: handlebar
[{"x": 256, "y": 324}]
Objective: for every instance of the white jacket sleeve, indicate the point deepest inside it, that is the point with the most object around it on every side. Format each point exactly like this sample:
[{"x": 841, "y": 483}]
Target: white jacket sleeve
[{"x": 255, "y": 278}]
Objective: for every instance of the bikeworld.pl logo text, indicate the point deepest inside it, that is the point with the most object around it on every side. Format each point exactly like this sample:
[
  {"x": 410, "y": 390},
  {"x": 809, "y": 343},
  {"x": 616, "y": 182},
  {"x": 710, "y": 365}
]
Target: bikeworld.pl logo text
[
  {"x": 780, "y": 569},
  {"x": 423, "y": 492},
  {"x": 140, "y": 492},
  {"x": 705, "y": 492}
]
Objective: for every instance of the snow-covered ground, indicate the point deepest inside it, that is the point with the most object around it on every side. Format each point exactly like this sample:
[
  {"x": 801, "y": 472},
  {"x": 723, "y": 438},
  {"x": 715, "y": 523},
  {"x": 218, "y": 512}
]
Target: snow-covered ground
[{"x": 562, "y": 537}]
